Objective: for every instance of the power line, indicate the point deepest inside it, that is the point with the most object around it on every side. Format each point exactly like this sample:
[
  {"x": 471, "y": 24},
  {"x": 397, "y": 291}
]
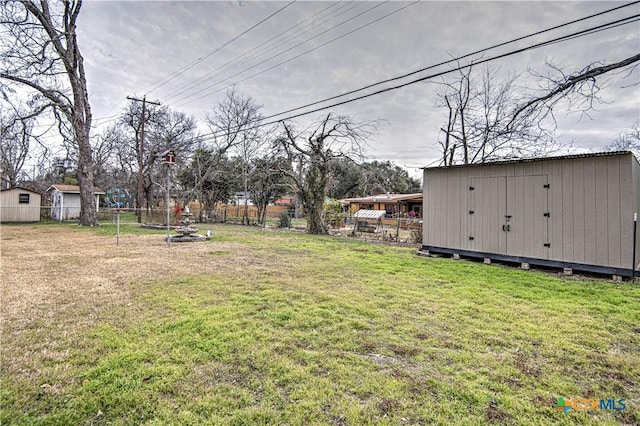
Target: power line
[
  {"x": 294, "y": 57},
  {"x": 429, "y": 77},
  {"x": 561, "y": 39},
  {"x": 582, "y": 33},
  {"x": 194, "y": 83},
  {"x": 110, "y": 118},
  {"x": 279, "y": 54},
  {"x": 454, "y": 60},
  {"x": 219, "y": 48},
  {"x": 349, "y": 7},
  {"x": 411, "y": 73},
  {"x": 161, "y": 82}
]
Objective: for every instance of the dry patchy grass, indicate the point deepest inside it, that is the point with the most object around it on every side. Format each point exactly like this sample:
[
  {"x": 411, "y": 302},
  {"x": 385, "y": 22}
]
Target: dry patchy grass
[
  {"x": 72, "y": 274},
  {"x": 267, "y": 327},
  {"x": 71, "y": 280}
]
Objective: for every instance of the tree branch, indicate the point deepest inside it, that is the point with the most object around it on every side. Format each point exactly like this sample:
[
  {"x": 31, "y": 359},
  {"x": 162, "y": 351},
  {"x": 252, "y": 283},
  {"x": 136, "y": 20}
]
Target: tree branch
[{"x": 569, "y": 83}]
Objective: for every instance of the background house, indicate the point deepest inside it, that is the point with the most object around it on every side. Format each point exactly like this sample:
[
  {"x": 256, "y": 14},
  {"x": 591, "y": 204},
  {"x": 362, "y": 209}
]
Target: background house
[
  {"x": 20, "y": 205},
  {"x": 391, "y": 203},
  {"x": 571, "y": 212},
  {"x": 286, "y": 200},
  {"x": 240, "y": 198},
  {"x": 65, "y": 201}
]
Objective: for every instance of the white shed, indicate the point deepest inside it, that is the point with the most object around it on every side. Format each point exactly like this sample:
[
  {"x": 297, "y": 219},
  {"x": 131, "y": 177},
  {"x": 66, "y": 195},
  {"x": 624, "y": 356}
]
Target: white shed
[
  {"x": 19, "y": 205},
  {"x": 65, "y": 201}
]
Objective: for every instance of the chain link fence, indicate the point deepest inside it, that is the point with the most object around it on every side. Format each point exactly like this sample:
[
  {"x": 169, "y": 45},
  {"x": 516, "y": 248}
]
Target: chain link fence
[{"x": 391, "y": 228}]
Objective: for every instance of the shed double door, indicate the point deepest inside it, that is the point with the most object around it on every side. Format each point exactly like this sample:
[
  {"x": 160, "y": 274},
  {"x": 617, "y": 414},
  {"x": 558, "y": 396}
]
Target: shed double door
[{"x": 509, "y": 215}]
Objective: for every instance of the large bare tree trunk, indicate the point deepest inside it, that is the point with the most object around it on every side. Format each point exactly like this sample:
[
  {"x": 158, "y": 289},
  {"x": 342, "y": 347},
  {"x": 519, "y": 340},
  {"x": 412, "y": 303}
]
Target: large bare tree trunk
[
  {"x": 335, "y": 137},
  {"x": 88, "y": 207},
  {"x": 43, "y": 52}
]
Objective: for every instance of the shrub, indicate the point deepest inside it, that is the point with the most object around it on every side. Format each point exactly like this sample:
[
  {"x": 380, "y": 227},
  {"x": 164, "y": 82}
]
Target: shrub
[
  {"x": 285, "y": 220},
  {"x": 334, "y": 213}
]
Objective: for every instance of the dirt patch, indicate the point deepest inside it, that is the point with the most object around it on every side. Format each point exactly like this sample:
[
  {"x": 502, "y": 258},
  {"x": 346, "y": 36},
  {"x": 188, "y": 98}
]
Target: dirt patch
[
  {"x": 388, "y": 406},
  {"x": 493, "y": 413}
]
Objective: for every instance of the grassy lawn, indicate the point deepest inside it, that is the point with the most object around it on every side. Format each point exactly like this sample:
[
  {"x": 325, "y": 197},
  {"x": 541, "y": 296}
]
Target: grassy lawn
[{"x": 273, "y": 327}]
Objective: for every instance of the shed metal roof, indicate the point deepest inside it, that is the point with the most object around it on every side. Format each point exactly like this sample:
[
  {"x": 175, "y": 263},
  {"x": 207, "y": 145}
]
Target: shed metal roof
[
  {"x": 384, "y": 198},
  {"x": 529, "y": 160},
  {"x": 72, "y": 189}
]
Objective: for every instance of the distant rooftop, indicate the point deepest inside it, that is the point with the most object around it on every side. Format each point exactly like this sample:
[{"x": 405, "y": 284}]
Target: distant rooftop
[
  {"x": 383, "y": 198},
  {"x": 73, "y": 189}
]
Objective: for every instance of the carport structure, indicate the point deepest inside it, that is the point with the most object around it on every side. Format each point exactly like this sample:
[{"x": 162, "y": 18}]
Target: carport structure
[{"x": 368, "y": 220}]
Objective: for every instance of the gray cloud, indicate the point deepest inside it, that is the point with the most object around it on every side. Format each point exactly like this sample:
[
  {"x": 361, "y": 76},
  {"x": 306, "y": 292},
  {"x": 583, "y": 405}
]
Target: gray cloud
[{"x": 130, "y": 45}]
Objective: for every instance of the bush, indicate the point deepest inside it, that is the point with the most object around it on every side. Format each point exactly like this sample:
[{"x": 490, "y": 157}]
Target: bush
[
  {"x": 334, "y": 213},
  {"x": 285, "y": 220}
]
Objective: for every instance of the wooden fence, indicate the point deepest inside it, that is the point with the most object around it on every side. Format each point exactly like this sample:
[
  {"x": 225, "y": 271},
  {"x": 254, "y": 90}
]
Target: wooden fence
[{"x": 225, "y": 212}]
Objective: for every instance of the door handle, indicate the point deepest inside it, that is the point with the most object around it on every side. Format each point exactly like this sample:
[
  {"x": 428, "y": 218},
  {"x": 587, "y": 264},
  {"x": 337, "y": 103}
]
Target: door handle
[
  {"x": 508, "y": 228},
  {"x": 504, "y": 228}
]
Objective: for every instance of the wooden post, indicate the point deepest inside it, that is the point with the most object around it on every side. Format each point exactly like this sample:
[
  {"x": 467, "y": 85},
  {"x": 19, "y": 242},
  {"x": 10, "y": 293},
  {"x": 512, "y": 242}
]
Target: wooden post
[{"x": 398, "y": 224}]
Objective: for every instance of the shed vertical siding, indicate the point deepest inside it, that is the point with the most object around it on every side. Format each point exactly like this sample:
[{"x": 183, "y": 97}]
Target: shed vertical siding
[
  {"x": 11, "y": 210},
  {"x": 590, "y": 236},
  {"x": 635, "y": 179},
  {"x": 590, "y": 200},
  {"x": 578, "y": 204},
  {"x": 555, "y": 206},
  {"x": 568, "y": 213},
  {"x": 602, "y": 214},
  {"x": 614, "y": 207},
  {"x": 626, "y": 211},
  {"x": 454, "y": 220}
]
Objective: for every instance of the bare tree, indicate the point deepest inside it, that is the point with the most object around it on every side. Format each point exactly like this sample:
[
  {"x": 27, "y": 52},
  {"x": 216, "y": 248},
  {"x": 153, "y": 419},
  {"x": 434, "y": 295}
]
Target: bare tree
[
  {"x": 40, "y": 53},
  {"x": 234, "y": 123},
  {"x": 457, "y": 97},
  {"x": 312, "y": 152},
  {"x": 230, "y": 120},
  {"x": 488, "y": 121},
  {"x": 627, "y": 140},
  {"x": 108, "y": 171},
  {"x": 580, "y": 89},
  {"x": 165, "y": 129},
  {"x": 207, "y": 175},
  {"x": 177, "y": 132},
  {"x": 212, "y": 177},
  {"x": 131, "y": 152},
  {"x": 19, "y": 143},
  {"x": 479, "y": 127},
  {"x": 267, "y": 183}
]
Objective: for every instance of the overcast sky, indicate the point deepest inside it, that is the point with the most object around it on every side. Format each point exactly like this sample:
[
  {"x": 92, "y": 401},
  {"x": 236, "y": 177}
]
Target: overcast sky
[{"x": 131, "y": 47}]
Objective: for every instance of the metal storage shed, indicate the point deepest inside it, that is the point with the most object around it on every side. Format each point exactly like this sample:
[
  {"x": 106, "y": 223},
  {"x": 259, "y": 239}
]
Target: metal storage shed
[
  {"x": 19, "y": 205},
  {"x": 572, "y": 211}
]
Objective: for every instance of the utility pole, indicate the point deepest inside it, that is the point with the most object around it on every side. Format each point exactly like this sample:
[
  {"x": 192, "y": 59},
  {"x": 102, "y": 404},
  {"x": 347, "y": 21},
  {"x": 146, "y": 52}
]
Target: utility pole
[{"x": 139, "y": 202}]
